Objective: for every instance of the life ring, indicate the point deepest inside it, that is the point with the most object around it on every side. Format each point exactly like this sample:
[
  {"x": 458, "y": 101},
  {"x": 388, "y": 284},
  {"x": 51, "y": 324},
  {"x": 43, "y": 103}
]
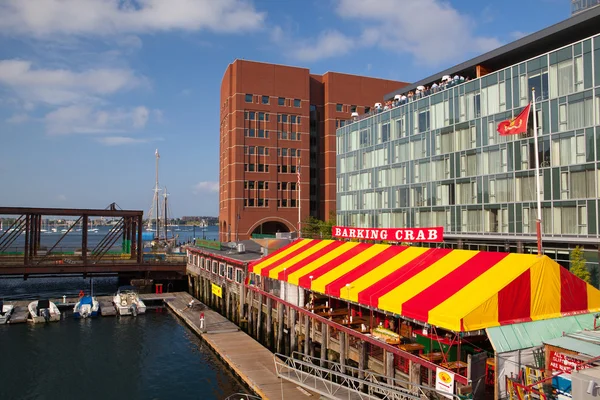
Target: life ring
[{"x": 81, "y": 294}]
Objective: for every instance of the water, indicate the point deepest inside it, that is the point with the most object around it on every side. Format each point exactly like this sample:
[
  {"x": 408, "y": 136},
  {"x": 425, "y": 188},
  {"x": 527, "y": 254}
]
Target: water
[
  {"x": 72, "y": 240},
  {"x": 152, "y": 356}
]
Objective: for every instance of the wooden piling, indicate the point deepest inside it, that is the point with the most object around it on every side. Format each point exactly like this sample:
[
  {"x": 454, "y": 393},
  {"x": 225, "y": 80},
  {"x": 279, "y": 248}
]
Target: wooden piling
[
  {"x": 259, "y": 319},
  {"x": 280, "y": 340},
  {"x": 268, "y": 339}
]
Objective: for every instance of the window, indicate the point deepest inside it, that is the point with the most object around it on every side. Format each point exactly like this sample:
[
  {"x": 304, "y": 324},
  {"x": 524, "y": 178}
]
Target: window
[
  {"x": 281, "y": 101},
  {"x": 385, "y": 133},
  {"x": 214, "y": 267},
  {"x": 251, "y": 115},
  {"x": 297, "y": 102},
  {"x": 293, "y": 119},
  {"x": 221, "y": 269},
  {"x": 202, "y": 262},
  {"x": 230, "y": 272},
  {"x": 261, "y": 116},
  {"x": 239, "y": 275},
  {"x": 265, "y": 99},
  {"x": 339, "y": 107},
  {"x": 249, "y": 98}
]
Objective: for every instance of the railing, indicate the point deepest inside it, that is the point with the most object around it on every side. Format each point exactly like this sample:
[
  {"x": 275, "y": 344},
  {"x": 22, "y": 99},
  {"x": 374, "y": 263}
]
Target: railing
[{"x": 339, "y": 381}]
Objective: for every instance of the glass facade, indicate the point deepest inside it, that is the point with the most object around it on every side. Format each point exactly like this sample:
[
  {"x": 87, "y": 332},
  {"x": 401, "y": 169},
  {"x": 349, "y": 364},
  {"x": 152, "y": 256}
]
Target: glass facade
[
  {"x": 578, "y": 6},
  {"x": 439, "y": 161}
]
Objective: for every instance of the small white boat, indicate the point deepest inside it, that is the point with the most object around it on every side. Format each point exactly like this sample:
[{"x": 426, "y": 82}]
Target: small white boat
[
  {"x": 6, "y": 311},
  {"x": 43, "y": 311},
  {"x": 128, "y": 302},
  {"x": 87, "y": 306}
]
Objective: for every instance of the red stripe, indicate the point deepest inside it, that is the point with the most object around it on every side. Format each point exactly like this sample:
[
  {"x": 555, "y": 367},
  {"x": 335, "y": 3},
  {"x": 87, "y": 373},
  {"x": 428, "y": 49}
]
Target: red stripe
[
  {"x": 304, "y": 280},
  {"x": 305, "y": 261},
  {"x": 260, "y": 260},
  {"x": 370, "y": 296},
  {"x": 514, "y": 300},
  {"x": 301, "y": 249},
  {"x": 418, "y": 307},
  {"x": 334, "y": 288},
  {"x": 573, "y": 293}
]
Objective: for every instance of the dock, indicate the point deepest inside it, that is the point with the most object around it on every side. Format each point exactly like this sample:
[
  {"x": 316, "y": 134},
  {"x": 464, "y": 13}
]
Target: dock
[
  {"x": 251, "y": 361},
  {"x": 21, "y": 313}
]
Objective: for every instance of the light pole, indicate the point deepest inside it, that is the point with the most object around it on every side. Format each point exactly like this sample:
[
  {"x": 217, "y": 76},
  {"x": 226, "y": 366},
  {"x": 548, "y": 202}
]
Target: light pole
[
  {"x": 310, "y": 292},
  {"x": 348, "y": 299},
  {"x": 284, "y": 284}
]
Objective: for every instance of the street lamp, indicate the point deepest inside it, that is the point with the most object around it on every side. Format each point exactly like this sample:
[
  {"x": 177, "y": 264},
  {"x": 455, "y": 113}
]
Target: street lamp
[
  {"x": 284, "y": 284},
  {"x": 348, "y": 299},
  {"x": 310, "y": 292}
]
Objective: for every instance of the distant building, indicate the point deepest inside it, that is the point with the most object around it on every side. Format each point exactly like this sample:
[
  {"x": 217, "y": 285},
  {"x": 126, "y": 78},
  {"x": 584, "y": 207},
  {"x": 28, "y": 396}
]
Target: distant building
[
  {"x": 578, "y": 6},
  {"x": 275, "y": 118}
]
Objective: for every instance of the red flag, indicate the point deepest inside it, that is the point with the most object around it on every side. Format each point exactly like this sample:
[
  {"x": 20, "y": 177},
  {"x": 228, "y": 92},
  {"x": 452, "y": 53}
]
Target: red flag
[{"x": 516, "y": 125}]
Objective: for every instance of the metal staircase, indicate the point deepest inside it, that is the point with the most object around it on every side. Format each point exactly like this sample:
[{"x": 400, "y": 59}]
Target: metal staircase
[{"x": 336, "y": 381}]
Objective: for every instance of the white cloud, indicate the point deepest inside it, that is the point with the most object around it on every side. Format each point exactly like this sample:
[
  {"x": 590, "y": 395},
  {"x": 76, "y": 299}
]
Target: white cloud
[
  {"x": 85, "y": 119},
  {"x": 120, "y": 140},
  {"x": 63, "y": 86},
  {"x": 61, "y": 197},
  {"x": 205, "y": 186},
  {"x": 44, "y": 18},
  {"x": 18, "y": 119},
  {"x": 432, "y": 31},
  {"x": 140, "y": 117},
  {"x": 329, "y": 44}
]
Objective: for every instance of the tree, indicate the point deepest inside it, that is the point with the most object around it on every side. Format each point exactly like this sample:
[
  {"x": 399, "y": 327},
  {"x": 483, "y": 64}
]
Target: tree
[
  {"x": 578, "y": 265},
  {"x": 317, "y": 229}
]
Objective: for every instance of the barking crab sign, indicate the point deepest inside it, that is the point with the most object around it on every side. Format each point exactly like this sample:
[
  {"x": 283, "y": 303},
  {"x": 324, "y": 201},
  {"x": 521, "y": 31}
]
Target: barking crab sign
[{"x": 408, "y": 235}]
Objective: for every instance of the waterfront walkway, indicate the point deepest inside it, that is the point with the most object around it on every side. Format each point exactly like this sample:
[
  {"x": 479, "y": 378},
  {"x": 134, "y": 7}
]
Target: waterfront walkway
[{"x": 248, "y": 358}]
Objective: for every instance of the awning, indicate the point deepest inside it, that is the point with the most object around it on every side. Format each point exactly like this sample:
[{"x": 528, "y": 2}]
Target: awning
[{"x": 459, "y": 290}]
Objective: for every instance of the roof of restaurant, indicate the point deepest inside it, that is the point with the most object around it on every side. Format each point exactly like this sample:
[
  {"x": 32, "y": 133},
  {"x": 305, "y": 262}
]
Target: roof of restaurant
[
  {"x": 575, "y": 28},
  {"x": 525, "y": 335},
  {"x": 584, "y": 342},
  {"x": 458, "y": 290},
  {"x": 253, "y": 251}
]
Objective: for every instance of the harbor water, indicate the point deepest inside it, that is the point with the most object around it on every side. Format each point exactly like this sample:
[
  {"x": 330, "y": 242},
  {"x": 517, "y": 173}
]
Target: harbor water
[{"x": 151, "y": 356}]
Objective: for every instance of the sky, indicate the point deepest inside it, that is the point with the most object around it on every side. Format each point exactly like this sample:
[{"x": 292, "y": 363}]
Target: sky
[{"x": 89, "y": 89}]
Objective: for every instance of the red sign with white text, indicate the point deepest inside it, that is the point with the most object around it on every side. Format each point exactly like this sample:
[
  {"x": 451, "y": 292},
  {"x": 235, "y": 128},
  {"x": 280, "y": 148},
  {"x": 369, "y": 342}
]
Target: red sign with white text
[
  {"x": 564, "y": 363},
  {"x": 433, "y": 234}
]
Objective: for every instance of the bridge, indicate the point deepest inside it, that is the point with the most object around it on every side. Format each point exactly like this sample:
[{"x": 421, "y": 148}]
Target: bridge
[{"x": 27, "y": 248}]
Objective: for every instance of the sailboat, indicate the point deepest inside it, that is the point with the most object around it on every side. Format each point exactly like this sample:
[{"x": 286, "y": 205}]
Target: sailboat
[{"x": 159, "y": 215}]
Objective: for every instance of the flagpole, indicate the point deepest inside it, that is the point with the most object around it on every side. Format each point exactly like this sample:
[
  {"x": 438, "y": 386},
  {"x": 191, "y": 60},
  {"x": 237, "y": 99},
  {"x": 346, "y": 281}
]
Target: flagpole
[
  {"x": 299, "y": 199},
  {"x": 537, "y": 177}
]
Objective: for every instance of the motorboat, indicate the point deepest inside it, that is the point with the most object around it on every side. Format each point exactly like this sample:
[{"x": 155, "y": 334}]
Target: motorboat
[
  {"x": 127, "y": 301},
  {"x": 6, "y": 311},
  {"x": 87, "y": 306},
  {"x": 43, "y": 311}
]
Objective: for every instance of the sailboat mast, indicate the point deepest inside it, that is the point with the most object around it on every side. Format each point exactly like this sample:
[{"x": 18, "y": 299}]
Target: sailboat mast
[
  {"x": 156, "y": 196},
  {"x": 165, "y": 214}
]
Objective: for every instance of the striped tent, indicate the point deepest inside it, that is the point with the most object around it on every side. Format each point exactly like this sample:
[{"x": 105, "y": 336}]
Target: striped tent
[{"x": 459, "y": 290}]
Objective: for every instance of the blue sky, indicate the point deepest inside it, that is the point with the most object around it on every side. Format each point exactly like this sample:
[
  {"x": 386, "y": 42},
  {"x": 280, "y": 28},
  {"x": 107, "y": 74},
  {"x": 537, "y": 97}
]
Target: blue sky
[{"x": 90, "y": 88}]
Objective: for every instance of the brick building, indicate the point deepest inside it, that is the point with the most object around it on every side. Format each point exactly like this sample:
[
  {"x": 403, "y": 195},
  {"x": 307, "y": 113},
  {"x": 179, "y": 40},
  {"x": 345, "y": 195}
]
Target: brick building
[{"x": 273, "y": 119}]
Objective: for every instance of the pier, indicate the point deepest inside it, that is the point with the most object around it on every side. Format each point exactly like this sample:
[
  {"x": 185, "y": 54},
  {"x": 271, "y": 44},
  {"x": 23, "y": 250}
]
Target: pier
[{"x": 252, "y": 362}]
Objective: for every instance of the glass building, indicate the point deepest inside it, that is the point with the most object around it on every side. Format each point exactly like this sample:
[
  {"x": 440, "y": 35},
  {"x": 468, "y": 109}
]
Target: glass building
[
  {"x": 438, "y": 160},
  {"x": 578, "y": 6}
]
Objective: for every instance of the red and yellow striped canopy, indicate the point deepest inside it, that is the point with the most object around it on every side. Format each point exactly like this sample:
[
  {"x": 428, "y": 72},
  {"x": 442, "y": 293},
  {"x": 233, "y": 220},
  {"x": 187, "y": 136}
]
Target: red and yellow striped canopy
[{"x": 459, "y": 290}]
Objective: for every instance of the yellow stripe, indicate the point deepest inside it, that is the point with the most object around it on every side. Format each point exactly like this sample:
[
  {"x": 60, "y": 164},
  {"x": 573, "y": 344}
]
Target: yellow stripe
[
  {"x": 393, "y": 300},
  {"x": 319, "y": 284},
  {"x": 484, "y": 316},
  {"x": 295, "y": 276},
  {"x": 258, "y": 267},
  {"x": 382, "y": 271},
  {"x": 593, "y": 298},
  {"x": 289, "y": 263},
  {"x": 458, "y": 306},
  {"x": 545, "y": 289}
]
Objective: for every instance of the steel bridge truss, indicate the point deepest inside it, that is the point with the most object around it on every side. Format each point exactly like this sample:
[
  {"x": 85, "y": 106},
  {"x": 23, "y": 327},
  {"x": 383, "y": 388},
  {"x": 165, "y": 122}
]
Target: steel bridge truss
[
  {"x": 336, "y": 381},
  {"x": 28, "y": 224}
]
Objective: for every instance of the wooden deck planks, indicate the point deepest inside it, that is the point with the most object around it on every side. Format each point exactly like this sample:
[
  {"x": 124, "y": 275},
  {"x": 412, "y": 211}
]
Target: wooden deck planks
[{"x": 248, "y": 358}]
